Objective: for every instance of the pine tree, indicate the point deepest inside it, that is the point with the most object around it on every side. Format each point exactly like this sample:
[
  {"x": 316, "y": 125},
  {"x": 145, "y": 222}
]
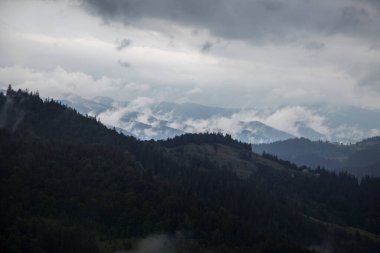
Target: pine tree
[{"x": 9, "y": 90}]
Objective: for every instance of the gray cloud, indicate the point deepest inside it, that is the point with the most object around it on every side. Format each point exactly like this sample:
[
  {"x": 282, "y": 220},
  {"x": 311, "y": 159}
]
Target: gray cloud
[
  {"x": 206, "y": 47},
  {"x": 273, "y": 5},
  {"x": 369, "y": 77},
  {"x": 315, "y": 45},
  {"x": 123, "y": 44},
  {"x": 355, "y": 21},
  {"x": 373, "y": 3},
  {"x": 254, "y": 20},
  {"x": 353, "y": 16},
  {"x": 124, "y": 64}
]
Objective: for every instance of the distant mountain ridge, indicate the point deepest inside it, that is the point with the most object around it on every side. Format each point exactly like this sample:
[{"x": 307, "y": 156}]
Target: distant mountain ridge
[
  {"x": 148, "y": 119},
  {"x": 360, "y": 159}
]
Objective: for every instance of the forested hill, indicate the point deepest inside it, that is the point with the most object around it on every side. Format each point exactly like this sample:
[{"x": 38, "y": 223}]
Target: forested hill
[
  {"x": 359, "y": 159},
  {"x": 69, "y": 184}
]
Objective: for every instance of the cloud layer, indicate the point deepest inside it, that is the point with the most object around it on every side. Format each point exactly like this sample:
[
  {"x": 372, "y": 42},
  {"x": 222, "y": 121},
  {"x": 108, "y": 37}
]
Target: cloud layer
[
  {"x": 243, "y": 53},
  {"x": 147, "y": 118}
]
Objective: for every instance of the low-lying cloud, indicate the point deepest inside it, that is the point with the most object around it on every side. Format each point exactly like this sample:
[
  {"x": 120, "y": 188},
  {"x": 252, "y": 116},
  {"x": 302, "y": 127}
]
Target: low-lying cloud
[
  {"x": 155, "y": 244},
  {"x": 165, "y": 243},
  {"x": 141, "y": 110},
  {"x": 296, "y": 121}
]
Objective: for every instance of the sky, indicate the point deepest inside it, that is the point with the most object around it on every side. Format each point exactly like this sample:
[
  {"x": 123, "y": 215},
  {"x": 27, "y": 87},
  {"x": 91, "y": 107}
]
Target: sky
[{"x": 241, "y": 53}]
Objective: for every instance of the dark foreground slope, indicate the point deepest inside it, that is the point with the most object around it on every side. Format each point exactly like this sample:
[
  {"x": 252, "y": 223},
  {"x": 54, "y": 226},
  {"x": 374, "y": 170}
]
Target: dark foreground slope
[
  {"x": 359, "y": 159},
  {"x": 69, "y": 184}
]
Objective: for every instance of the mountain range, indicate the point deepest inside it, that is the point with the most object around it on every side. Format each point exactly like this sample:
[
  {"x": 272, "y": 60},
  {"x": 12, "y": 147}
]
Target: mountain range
[
  {"x": 70, "y": 184},
  {"x": 147, "y": 119}
]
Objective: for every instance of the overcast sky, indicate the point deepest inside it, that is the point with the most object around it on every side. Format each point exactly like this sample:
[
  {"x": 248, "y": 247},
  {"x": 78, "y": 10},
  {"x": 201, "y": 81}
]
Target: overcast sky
[{"x": 241, "y": 53}]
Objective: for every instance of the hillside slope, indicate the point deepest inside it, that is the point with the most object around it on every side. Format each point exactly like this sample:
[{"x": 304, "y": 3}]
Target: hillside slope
[{"x": 69, "y": 184}]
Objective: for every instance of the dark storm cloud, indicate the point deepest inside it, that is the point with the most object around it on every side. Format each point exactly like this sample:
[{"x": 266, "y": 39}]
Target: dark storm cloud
[
  {"x": 255, "y": 20},
  {"x": 123, "y": 44}
]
